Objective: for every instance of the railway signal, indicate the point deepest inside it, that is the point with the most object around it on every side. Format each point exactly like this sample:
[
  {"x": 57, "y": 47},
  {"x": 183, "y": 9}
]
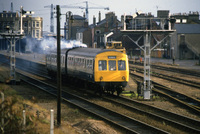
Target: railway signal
[
  {"x": 146, "y": 27},
  {"x": 12, "y": 37}
]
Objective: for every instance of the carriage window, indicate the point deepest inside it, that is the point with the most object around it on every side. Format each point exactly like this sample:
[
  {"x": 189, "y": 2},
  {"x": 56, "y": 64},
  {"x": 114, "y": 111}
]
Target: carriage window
[
  {"x": 76, "y": 61},
  {"x": 72, "y": 61},
  {"x": 55, "y": 58},
  {"x": 121, "y": 65},
  {"x": 102, "y": 65},
  {"x": 112, "y": 65},
  {"x": 63, "y": 59},
  {"x": 81, "y": 62},
  {"x": 89, "y": 64}
]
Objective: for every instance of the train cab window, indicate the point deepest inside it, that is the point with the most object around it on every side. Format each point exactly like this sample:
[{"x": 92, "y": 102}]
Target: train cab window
[
  {"x": 121, "y": 65},
  {"x": 112, "y": 65},
  {"x": 102, "y": 65}
]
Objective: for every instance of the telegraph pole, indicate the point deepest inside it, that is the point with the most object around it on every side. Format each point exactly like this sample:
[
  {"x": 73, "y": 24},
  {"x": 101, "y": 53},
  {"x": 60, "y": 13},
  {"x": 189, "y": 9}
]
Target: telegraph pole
[{"x": 58, "y": 68}]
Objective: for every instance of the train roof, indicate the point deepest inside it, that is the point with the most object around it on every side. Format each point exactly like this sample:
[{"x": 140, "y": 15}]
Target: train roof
[
  {"x": 63, "y": 51},
  {"x": 80, "y": 51},
  {"x": 90, "y": 52}
]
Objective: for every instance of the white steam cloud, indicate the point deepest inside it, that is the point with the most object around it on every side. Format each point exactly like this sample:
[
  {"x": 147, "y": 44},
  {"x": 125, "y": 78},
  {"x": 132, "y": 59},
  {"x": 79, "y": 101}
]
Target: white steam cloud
[
  {"x": 48, "y": 44},
  {"x": 51, "y": 44}
]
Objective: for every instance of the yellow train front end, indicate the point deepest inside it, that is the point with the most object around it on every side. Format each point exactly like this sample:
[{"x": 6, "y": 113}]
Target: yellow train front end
[{"x": 111, "y": 71}]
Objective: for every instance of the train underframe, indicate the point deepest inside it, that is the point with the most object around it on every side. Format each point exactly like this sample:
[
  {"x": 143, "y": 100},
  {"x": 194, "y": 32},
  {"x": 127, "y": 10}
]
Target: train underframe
[
  {"x": 97, "y": 87},
  {"x": 111, "y": 87}
]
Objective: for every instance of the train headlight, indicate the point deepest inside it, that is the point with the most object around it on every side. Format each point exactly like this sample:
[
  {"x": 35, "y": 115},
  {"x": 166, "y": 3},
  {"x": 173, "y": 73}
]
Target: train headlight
[
  {"x": 123, "y": 78},
  {"x": 101, "y": 78}
]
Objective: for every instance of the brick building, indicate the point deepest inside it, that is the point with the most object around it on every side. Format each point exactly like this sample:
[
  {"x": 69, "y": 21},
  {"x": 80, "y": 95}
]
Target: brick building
[{"x": 96, "y": 32}]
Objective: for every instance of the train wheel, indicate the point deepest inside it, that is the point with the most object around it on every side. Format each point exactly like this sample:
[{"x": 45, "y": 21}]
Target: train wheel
[
  {"x": 119, "y": 91},
  {"x": 101, "y": 91},
  {"x": 112, "y": 92}
]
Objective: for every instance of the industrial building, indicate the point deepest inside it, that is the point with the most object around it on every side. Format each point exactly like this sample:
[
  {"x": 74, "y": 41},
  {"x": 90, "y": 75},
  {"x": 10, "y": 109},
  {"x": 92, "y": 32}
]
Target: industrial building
[
  {"x": 186, "y": 40},
  {"x": 32, "y": 29},
  {"x": 182, "y": 44},
  {"x": 9, "y": 20},
  {"x": 32, "y": 26}
]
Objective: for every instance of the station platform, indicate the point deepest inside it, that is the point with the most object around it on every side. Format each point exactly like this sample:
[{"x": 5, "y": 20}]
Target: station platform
[{"x": 34, "y": 57}]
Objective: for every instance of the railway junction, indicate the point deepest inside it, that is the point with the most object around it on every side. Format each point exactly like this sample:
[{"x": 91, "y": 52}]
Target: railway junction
[
  {"x": 91, "y": 97},
  {"x": 136, "y": 104}
]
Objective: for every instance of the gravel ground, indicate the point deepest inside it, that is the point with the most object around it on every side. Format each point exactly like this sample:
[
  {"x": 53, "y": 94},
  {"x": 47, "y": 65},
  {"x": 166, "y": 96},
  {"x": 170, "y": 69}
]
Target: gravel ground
[{"x": 74, "y": 121}]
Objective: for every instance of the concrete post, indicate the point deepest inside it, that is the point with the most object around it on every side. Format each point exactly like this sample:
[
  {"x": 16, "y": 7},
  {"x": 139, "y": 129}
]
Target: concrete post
[
  {"x": 24, "y": 121},
  {"x": 199, "y": 59},
  {"x": 52, "y": 122},
  {"x": 2, "y": 114}
]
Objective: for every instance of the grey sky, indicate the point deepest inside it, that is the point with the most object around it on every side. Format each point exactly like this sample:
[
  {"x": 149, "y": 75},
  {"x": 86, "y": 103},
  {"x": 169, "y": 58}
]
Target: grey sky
[{"x": 118, "y": 6}]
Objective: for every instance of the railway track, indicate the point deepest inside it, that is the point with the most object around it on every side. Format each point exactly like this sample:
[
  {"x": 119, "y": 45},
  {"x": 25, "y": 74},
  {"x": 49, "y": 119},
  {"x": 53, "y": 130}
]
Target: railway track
[
  {"x": 27, "y": 66},
  {"x": 155, "y": 115},
  {"x": 186, "y": 101},
  {"x": 171, "y": 69},
  {"x": 182, "y": 123},
  {"x": 170, "y": 78},
  {"x": 130, "y": 125}
]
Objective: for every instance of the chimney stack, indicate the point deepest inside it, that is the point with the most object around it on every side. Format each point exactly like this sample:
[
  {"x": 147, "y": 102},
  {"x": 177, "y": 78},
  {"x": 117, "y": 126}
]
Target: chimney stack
[
  {"x": 99, "y": 16},
  {"x": 11, "y": 7},
  {"x": 94, "y": 20},
  {"x": 84, "y": 14}
]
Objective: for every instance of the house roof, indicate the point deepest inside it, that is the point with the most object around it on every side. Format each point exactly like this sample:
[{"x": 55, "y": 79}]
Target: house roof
[
  {"x": 78, "y": 17},
  {"x": 101, "y": 22},
  {"x": 187, "y": 28},
  {"x": 9, "y": 14},
  {"x": 84, "y": 29}
]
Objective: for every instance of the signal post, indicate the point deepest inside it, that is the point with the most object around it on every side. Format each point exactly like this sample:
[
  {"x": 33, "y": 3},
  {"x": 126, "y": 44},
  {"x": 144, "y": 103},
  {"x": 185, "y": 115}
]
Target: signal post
[{"x": 146, "y": 29}]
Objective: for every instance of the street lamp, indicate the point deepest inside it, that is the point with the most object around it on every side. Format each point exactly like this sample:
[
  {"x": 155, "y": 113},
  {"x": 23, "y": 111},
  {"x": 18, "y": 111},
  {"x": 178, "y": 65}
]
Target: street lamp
[{"x": 23, "y": 12}]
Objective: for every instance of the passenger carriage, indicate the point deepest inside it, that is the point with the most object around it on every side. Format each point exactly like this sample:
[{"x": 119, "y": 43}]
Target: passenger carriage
[{"x": 106, "y": 68}]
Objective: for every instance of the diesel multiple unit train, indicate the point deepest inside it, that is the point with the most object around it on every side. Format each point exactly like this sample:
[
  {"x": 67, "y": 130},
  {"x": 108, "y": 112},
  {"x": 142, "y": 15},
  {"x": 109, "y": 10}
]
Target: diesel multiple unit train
[{"x": 105, "y": 69}]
